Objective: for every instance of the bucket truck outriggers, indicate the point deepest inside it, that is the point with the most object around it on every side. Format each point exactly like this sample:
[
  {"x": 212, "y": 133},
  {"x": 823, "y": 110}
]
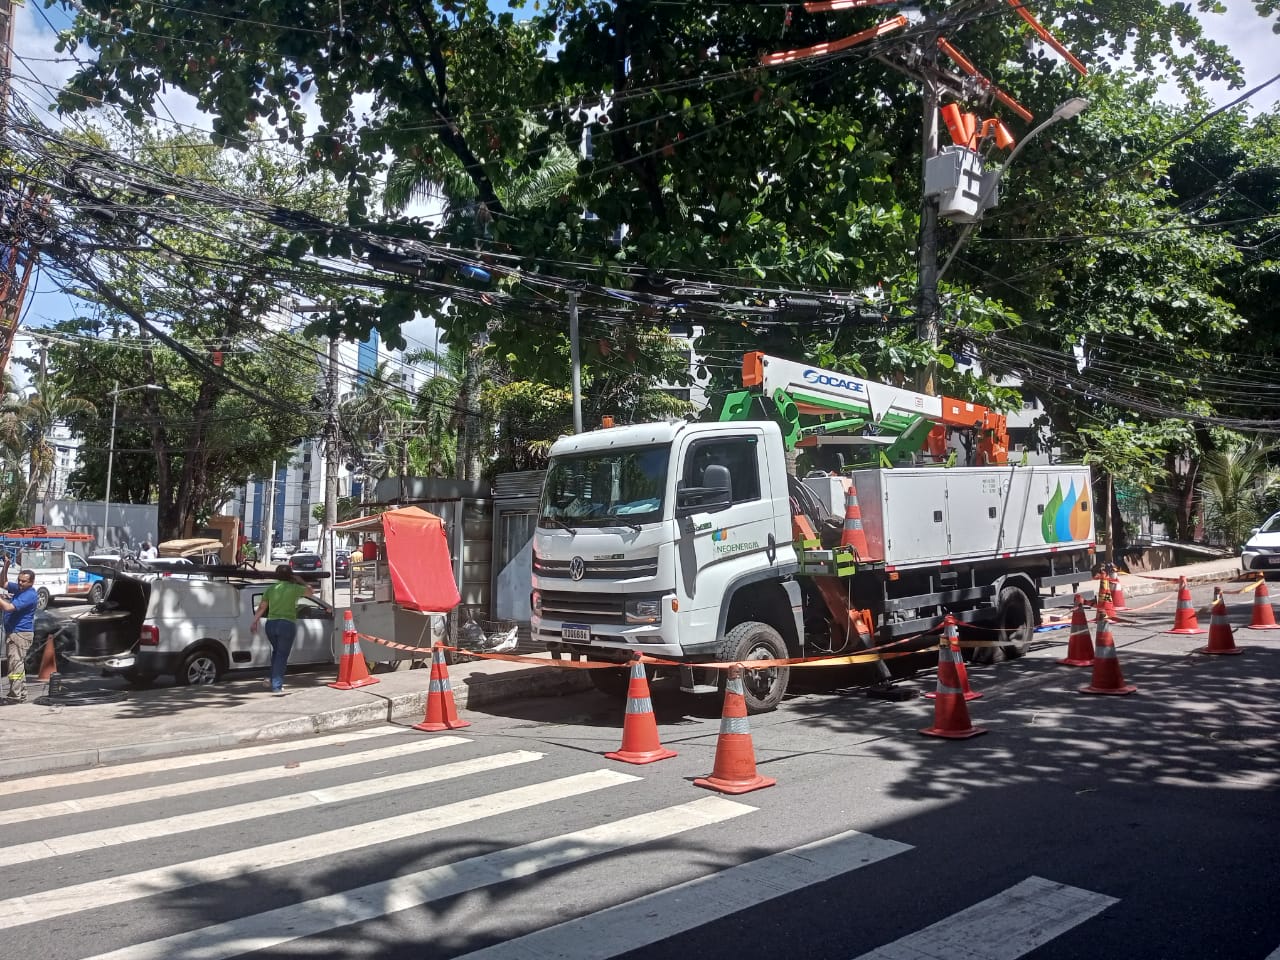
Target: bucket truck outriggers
[{"x": 696, "y": 542}]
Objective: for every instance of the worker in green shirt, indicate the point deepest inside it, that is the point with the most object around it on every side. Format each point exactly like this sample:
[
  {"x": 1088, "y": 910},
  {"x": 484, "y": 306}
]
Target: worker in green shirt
[{"x": 280, "y": 608}]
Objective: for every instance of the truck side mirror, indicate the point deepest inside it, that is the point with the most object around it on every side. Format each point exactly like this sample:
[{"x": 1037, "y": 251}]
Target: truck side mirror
[{"x": 715, "y": 495}]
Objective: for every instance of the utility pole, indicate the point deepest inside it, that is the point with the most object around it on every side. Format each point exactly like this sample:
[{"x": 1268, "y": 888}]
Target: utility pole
[
  {"x": 575, "y": 361},
  {"x": 927, "y": 322},
  {"x": 268, "y": 521},
  {"x": 328, "y": 586}
]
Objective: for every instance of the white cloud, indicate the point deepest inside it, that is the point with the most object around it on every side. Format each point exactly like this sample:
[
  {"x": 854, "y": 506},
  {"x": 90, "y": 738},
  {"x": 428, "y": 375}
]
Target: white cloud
[{"x": 1250, "y": 38}]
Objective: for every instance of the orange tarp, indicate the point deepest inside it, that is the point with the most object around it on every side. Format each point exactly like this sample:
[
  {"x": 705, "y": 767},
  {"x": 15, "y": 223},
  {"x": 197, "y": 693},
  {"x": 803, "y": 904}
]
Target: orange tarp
[{"x": 418, "y": 558}]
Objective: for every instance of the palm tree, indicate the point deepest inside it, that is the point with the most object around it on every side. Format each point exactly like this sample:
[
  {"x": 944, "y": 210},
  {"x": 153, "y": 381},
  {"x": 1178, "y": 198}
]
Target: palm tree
[
  {"x": 1237, "y": 487},
  {"x": 25, "y": 425},
  {"x": 374, "y": 423}
]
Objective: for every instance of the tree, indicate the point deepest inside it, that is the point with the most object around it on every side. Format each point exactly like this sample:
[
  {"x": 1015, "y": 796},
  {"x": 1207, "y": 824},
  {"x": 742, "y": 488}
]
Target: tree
[
  {"x": 1239, "y": 487},
  {"x": 26, "y": 423}
]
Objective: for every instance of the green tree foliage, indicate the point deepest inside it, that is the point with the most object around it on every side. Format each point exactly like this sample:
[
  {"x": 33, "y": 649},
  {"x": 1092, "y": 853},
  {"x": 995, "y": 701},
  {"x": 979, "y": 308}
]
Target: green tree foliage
[
  {"x": 1239, "y": 485},
  {"x": 26, "y": 424}
]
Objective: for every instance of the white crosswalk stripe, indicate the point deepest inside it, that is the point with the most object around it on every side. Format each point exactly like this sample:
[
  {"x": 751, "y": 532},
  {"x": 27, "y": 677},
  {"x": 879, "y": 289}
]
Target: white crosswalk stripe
[
  {"x": 667, "y": 913},
  {"x": 186, "y": 788},
  {"x": 640, "y": 908},
  {"x": 168, "y": 826},
  {"x": 331, "y": 843},
  {"x": 100, "y": 774},
  {"x": 1004, "y": 927},
  {"x": 413, "y": 890}
]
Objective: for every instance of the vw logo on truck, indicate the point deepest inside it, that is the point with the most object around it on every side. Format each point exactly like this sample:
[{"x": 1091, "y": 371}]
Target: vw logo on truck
[{"x": 577, "y": 568}]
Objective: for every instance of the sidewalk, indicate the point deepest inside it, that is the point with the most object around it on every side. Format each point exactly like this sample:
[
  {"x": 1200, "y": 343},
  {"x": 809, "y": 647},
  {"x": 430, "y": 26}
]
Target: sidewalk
[{"x": 170, "y": 719}]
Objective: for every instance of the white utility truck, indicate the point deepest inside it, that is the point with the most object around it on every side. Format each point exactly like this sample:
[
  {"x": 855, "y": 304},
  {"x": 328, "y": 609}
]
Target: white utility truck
[{"x": 696, "y": 542}]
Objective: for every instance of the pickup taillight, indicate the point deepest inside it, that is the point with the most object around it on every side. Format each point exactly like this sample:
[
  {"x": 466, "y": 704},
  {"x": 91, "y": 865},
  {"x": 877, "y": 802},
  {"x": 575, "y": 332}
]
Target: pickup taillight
[{"x": 150, "y": 636}]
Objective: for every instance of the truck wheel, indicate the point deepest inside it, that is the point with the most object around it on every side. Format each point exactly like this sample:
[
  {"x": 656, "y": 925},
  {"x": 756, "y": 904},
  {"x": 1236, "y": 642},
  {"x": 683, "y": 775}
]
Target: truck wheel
[
  {"x": 42, "y": 599},
  {"x": 97, "y": 594},
  {"x": 1016, "y": 619},
  {"x": 199, "y": 668},
  {"x": 612, "y": 683},
  {"x": 763, "y": 689}
]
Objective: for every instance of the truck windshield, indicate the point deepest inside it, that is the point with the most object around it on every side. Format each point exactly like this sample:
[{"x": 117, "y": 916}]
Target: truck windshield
[{"x": 597, "y": 489}]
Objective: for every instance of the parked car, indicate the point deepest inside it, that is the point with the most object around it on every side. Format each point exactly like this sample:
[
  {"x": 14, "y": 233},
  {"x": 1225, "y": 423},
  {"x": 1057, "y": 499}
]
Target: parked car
[
  {"x": 305, "y": 562},
  {"x": 280, "y": 552},
  {"x": 1262, "y": 550},
  {"x": 342, "y": 565},
  {"x": 196, "y": 630}
]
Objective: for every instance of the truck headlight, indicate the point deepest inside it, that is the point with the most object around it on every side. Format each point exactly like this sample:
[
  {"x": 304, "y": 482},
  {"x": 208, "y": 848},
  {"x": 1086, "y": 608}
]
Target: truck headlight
[{"x": 643, "y": 611}]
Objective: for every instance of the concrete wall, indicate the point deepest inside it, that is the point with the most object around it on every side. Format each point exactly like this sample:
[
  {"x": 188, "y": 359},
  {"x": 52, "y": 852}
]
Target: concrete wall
[{"x": 130, "y": 523}]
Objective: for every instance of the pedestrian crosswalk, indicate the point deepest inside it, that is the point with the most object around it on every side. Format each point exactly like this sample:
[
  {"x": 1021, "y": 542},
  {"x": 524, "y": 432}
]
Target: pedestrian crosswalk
[{"x": 293, "y": 846}]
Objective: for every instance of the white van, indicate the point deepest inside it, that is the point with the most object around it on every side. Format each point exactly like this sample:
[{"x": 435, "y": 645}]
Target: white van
[
  {"x": 61, "y": 573},
  {"x": 197, "y": 630}
]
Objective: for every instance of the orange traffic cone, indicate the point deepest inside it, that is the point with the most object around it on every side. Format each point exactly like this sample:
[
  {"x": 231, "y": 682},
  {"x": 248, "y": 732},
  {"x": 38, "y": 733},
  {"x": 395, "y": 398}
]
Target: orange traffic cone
[
  {"x": 442, "y": 714},
  {"x": 1184, "y": 618},
  {"x": 1264, "y": 618},
  {"x": 951, "y": 637},
  {"x": 1080, "y": 644},
  {"x": 853, "y": 535},
  {"x": 735, "y": 767},
  {"x": 352, "y": 670},
  {"x": 950, "y": 713},
  {"x": 1107, "y": 677},
  {"x": 1221, "y": 637},
  {"x": 1117, "y": 594},
  {"x": 48, "y": 661},
  {"x": 640, "y": 742}
]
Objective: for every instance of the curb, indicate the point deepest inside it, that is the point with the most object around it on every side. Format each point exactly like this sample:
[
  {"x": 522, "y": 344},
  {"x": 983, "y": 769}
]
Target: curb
[{"x": 474, "y": 692}]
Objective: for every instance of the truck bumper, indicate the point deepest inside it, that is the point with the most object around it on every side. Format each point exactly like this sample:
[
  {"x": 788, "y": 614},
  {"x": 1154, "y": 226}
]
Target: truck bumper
[{"x": 612, "y": 641}]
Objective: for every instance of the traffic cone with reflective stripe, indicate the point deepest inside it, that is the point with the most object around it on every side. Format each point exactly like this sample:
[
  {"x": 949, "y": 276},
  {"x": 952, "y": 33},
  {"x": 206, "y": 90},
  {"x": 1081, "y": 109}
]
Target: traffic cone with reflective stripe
[
  {"x": 1264, "y": 618},
  {"x": 1080, "y": 644},
  {"x": 1184, "y": 618},
  {"x": 352, "y": 670},
  {"x": 1107, "y": 677},
  {"x": 950, "y": 712},
  {"x": 441, "y": 714},
  {"x": 1221, "y": 638},
  {"x": 951, "y": 637},
  {"x": 1117, "y": 593},
  {"x": 735, "y": 766},
  {"x": 640, "y": 743},
  {"x": 853, "y": 535}
]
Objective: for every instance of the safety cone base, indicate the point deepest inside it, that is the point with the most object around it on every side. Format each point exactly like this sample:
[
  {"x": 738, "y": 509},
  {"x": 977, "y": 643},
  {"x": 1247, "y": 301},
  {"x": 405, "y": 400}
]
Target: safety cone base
[
  {"x": 1263, "y": 626},
  {"x": 954, "y": 734},
  {"x": 1188, "y": 630},
  {"x": 641, "y": 756},
  {"x": 434, "y": 726},
  {"x": 353, "y": 684},
  {"x": 968, "y": 695},
  {"x": 1076, "y": 662},
  {"x": 1121, "y": 691},
  {"x": 734, "y": 786},
  {"x": 1229, "y": 652}
]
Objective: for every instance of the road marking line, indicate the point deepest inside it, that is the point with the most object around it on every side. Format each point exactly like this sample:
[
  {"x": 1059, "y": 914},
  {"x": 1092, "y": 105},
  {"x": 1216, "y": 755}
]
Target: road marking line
[
  {"x": 98, "y": 774},
  {"x": 235, "y": 864},
  {"x": 689, "y": 905},
  {"x": 185, "y": 788},
  {"x": 265, "y": 930},
  {"x": 1004, "y": 927},
  {"x": 255, "y": 809}
]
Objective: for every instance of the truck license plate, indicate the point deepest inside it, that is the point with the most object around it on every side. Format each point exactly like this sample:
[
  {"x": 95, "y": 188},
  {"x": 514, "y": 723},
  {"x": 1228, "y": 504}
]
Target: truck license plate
[
  {"x": 575, "y": 632},
  {"x": 1272, "y": 561}
]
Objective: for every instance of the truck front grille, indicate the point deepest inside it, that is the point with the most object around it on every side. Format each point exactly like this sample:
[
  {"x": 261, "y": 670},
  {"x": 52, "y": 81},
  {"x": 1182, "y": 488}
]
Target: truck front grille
[
  {"x": 627, "y": 569},
  {"x": 583, "y": 607}
]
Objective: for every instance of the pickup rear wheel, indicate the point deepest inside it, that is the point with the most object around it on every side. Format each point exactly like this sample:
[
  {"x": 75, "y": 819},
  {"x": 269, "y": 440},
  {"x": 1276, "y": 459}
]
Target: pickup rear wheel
[
  {"x": 42, "y": 598},
  {"x": 1016, "y": 620},
  {"x": 762, "y": 689},
  {"x": 199, "y": 668},
  {"x": 96, "y": 593}
]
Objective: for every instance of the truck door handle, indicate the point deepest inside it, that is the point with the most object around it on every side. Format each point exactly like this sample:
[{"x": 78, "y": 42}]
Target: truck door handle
[{"x": 771, "y": 550}]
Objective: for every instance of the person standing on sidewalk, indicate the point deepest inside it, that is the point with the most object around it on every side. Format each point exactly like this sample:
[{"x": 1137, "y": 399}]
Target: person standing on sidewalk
[
  {"x": 19, "y": 628},
  {"x": 280, "y": 608}
]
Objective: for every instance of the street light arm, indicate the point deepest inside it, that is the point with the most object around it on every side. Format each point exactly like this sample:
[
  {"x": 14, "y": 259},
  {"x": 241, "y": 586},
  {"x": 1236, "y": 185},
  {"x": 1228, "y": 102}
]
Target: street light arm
[{"x": 1064, "y": 111}]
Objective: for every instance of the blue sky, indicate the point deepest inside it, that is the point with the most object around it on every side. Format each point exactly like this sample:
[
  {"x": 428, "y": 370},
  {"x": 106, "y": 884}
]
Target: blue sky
[{"x": 1245, "y": 34}]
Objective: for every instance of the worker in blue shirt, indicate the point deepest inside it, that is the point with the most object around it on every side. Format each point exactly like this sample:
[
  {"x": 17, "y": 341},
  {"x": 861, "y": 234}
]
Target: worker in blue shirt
[{"x": 19, "y": 627}]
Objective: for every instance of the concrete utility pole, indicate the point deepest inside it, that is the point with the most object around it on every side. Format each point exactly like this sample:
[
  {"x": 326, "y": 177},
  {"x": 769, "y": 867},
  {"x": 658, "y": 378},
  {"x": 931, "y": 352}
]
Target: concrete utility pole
[
  {"x": 575, "y": 361},
  {"x": 927, "y": 323},
  {"x": 268, "y": 521},
  {"x": 328, "y": 586}
]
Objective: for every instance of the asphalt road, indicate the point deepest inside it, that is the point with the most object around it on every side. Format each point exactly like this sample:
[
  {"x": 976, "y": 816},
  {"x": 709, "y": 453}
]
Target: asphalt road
[{"x": 1142, "y": 827}]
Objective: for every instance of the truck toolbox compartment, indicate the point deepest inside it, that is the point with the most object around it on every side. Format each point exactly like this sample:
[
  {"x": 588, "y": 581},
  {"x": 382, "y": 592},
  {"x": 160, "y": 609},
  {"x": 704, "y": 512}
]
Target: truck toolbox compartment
[{"x": 921, "y": 516}]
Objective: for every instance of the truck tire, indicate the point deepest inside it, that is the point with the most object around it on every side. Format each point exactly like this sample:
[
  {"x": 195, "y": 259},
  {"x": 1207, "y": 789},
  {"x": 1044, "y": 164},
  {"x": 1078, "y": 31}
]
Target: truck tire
[
  {"x": 97, "y": 594},
  {"x": 763, "y": 689},
  {"x": 42, "y": 598},
  {"x": 199, "y": 668},
  {"x": 1016, "y": 618}
]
